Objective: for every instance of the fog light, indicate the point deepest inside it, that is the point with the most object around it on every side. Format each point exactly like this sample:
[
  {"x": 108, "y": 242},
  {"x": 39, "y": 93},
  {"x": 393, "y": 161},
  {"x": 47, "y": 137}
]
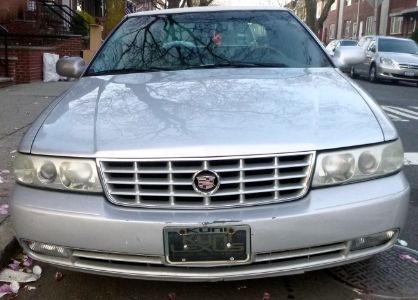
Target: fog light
[
  {"x": 373, "y": 240},
  {"x": 48, "y": 249}
]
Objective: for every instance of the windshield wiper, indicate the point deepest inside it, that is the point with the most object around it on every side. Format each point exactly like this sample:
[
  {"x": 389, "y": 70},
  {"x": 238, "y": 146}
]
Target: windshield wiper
[
  {"x": 241, "y": 65},
  {"x": 127, "y": 71}
]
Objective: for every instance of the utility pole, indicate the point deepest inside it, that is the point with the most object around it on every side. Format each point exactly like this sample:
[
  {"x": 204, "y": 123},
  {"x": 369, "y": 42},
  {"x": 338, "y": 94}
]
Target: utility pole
[
  {"x": 376, "y": 30},
  {"x": 358, "y": 20}
]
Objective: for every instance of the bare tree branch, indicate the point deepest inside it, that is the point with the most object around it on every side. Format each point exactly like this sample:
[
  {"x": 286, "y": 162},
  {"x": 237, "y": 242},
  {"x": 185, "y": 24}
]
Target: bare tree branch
[{"x": 324, "y": 13}]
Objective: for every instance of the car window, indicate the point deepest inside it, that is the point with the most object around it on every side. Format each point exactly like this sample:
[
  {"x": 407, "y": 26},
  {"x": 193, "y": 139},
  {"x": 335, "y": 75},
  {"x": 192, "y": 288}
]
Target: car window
[
  {"x": 398, "y": 46},
  {"x": 348, "y": 43},
  {"x": 193, "y": 40},
  {"x": 372, "y": 46},
  {"x": 364, "y": 42}
]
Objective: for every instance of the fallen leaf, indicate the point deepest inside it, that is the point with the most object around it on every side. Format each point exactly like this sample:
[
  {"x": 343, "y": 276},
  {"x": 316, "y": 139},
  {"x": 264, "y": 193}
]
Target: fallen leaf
[
  {"x": 4, "y": 209},
  {"x": 27, "y": 262},
  {"x": 29, "y": 287},
  {"x": 59, "y": 276},
  {"x": 15, "y": 265}
]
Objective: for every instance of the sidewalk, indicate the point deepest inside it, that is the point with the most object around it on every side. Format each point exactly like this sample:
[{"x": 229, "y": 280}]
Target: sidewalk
[{"x": 19, "y": 107}]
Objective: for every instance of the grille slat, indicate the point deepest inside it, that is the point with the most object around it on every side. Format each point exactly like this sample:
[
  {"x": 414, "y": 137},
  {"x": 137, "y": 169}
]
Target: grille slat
[{"x": 248, "y": 180}]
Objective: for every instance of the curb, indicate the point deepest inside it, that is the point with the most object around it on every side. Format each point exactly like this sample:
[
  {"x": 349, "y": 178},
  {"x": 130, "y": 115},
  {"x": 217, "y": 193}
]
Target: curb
[{"x": 8, "y": 242}]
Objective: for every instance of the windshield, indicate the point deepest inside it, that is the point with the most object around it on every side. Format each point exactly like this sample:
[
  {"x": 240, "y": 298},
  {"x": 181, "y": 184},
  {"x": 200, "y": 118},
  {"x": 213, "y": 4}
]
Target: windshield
[
  {"x": 209, "y": 39},
  {"x": 348, "y": 43},
  {"x": 398, "y": 46}
]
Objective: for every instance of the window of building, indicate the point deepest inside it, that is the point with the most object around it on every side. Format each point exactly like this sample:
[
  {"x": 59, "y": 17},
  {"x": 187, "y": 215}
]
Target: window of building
[
  {"x": 31, "y": 5},
  {"x": 347, "y": 28},
  {"x": 348, "y": 2},
  {"x": 411, "y": 25},
  {"x": 332, "y": 31},
  {"x": 396, "y": 25},
  {"x": 370, "y": 25},
  {"x": 354, "y": 30}
]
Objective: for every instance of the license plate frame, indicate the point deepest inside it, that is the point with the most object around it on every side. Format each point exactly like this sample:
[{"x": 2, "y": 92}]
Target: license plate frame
[
  {"x": 410, "y": 73},
  {"x": 207, "y": 245}
]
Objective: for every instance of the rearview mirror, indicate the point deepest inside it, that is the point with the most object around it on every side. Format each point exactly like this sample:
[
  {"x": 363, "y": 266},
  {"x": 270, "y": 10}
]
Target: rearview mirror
[
  {"x": 347, "y": 56},
  {"x": 71, "y": 67}
]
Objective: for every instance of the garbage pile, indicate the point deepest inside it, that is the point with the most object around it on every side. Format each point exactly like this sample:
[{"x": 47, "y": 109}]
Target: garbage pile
[{"x": 18, "y": 274}]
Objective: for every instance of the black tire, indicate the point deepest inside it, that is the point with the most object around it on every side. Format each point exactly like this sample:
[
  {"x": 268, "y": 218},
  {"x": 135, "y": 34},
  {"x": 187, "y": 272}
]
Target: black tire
[
  {"x": 353, "y": 73},
  {"x": 395, "y": 81},
  {"x": 373, "y": 74}
]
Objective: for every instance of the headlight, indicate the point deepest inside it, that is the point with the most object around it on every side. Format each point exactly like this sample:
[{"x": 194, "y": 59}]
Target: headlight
[
  {"x": 358, "y": 164},
  {"x": 57, "y": 173},
  {"x": 389, "y": 62}
]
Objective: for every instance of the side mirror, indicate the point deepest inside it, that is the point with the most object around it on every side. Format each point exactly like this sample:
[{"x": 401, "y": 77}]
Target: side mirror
[
  {"x": 71, "y": 67},
  {"x": 347, "y": 56}
]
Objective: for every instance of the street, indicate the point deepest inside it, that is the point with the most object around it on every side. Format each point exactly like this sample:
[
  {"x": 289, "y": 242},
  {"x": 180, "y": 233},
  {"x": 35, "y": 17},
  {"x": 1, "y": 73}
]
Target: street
[{"x": 399, "y": 101}]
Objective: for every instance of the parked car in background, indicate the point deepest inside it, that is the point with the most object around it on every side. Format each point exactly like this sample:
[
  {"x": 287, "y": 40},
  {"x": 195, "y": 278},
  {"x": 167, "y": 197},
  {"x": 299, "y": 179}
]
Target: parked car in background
[
  {"x": 210, "y": 144},
  {"x": 333, "y": 45},
  {"x": 365, "y": 40},
  {"x": 389, "y": 58}
]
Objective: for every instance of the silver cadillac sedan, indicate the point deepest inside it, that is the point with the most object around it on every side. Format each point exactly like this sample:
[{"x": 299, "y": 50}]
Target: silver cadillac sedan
[{"x": 209, "y": 144}]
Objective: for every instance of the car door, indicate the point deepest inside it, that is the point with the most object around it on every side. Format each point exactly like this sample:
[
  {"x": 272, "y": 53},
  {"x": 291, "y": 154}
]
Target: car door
[
  {"x": 370, "y": 55},
  {"x": 363, "y": 44}
]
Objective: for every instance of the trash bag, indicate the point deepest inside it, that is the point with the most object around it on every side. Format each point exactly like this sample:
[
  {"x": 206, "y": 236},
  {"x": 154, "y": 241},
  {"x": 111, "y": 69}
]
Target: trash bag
[{"x": 50, "y": 73}]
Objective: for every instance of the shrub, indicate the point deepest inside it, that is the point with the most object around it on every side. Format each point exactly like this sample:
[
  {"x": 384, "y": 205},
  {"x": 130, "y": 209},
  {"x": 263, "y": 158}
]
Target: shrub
[
  {"x": 79, "y": 21},
  {"x": 414, "y": 35}
]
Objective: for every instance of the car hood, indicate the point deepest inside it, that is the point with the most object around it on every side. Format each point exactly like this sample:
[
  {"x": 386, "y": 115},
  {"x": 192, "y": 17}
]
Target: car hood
[
  {"x": 402, "y": 58},
  {"x": 208, "y": 112}
]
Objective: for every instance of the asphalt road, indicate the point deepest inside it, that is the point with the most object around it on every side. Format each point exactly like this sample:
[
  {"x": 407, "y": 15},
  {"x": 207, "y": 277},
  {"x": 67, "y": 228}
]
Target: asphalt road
[{"x": 401, "y": 101}]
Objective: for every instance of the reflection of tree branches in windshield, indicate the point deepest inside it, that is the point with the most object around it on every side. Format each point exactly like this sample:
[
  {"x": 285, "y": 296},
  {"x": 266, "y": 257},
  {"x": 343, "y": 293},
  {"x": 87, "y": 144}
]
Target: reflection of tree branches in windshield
[{"x": 200, "y": 40}]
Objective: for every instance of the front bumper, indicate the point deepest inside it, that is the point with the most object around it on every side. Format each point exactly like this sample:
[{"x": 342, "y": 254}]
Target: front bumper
[
  {"x": 286, "y": 238},
  {"x": 396, "y": 74}
]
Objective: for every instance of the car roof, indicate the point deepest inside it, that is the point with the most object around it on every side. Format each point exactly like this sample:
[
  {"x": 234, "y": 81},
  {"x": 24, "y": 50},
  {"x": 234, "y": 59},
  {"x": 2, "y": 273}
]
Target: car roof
[
  {"x": 392, "y": 38},
  {"x": 386, "y": 37},
  {"x": 206, "y": 9}
]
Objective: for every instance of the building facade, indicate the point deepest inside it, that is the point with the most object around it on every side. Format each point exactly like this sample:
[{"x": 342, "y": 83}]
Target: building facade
[{"x": 353, "y": 19}]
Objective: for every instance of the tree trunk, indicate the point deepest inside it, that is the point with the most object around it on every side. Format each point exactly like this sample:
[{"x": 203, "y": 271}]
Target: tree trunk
[
  {"x": 310, "y": 7},
  {"x": 115, "y": 11}
]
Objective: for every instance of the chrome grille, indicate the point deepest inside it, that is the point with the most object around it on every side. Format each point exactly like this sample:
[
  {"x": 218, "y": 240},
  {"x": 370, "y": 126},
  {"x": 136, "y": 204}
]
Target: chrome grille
[
  {"x": 408, "y": 66},
  {"x": 167, "y": 183}
]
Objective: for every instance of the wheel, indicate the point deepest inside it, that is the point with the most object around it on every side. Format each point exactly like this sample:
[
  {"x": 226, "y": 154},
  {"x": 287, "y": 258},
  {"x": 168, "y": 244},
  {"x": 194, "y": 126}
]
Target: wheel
[
  {"x": 353, "y": 73},
  {"x": 373, "y": 74},
  {"x": 395, "y": 81}
]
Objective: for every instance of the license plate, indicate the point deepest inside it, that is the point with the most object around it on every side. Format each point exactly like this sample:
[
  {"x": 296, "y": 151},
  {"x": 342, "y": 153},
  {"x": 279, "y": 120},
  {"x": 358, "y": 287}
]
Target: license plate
[
  {"x": 203, "y": 245},
  {"x": 409, "y": 73}
]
